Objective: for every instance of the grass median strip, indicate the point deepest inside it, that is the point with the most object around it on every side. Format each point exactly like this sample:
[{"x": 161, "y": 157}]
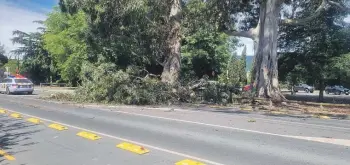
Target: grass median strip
[
  {"x": 6, "y": 155},
  {"x": 188, "y": 162},
  {"x": 132, "y": 148},
  {"x": 88, "y": 135}
]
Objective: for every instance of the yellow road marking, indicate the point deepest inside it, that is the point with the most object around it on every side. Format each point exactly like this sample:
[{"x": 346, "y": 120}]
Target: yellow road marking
[
  {"x": 34, "y": 120},
  {"x": 3, "y": 111},
  {"x": 133, "y": 148},
  {"x": 7, "y": 156},
  {"x": 2, "y": 152},
  {"x": 58, "y": 127},
  {"x": 188, "y": 162},
  {"x": 10, "y": 157},
  {"x": 324, "y": 117},
  {"x": 88, "y": 135},
  {"x": 16, "y": 115}
]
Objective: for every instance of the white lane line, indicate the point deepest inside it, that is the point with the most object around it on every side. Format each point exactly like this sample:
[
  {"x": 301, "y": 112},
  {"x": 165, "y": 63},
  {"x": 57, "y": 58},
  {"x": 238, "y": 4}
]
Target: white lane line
[
  {"x": 200, "y": 111},
  {"x": 273, "y": 120},
  {"x": 127, "y": 140},
  {"x": 344, "y": 142}
]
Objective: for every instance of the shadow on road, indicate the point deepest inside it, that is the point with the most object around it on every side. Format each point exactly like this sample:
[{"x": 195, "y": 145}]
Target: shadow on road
[
  {"x": 332, "y": 99},
  {"x": 15, "y": 133}
]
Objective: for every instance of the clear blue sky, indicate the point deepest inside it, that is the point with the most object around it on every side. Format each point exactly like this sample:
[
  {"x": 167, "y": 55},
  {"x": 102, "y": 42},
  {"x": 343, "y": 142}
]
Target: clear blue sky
[{"x": 40, "y": 6}]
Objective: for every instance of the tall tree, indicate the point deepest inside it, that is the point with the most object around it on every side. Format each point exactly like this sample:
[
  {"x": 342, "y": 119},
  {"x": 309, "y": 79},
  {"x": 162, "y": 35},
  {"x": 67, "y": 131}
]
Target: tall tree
[
  {"x": 36, "y": 60},
  {"x": 265, "y": 35},
  {"x": 172, "y": 61},
  {"x": 243, "y": 68},
  {"x": 204, "y": 49},
  {"x": 64, "y": 40},
  {"x": 314, "y": 46},
  {"x": 3, "y": 57},
  {"x": 2, "y": 49}
]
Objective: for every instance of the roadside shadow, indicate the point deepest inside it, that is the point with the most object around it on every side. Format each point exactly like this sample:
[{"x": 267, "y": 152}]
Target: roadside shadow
[
  {"x": 343, "y": 99},
  {"x": 15, "y": 133}
]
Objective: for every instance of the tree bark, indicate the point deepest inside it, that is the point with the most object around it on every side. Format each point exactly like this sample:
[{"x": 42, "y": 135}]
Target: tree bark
[
  {"x": 265, "y": 63},
  {"x": 320, "y": 95},
  {"x": 172, "y": 61}
]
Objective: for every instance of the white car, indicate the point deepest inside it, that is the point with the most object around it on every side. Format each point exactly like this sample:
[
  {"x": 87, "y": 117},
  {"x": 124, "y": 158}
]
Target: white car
[{"x": 16, "y": 85}]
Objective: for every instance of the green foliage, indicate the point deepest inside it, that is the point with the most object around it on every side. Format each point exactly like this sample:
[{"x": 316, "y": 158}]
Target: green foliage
[
  {"x": 64, "y": 40},
  {"x": 341, "y": 67},
  {"x": 105, "y": 83},
  {"x": 232, "y": 76},
  {"x": 12, "y": 65},
  {"x": 36, "y": 60},
  {"x": 204, "y": 49},
  {"x": 243, "y": 67},
  {"x": 308, "y": 51},
  {"x": 3, "y": 57}
]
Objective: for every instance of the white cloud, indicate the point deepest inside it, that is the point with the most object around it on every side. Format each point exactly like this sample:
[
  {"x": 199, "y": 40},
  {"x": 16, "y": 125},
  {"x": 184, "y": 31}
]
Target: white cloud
[
  {"x": 15, "y": 18},
  {"x": 347, "y": 19},
  {"x": 250, "y": 46}
]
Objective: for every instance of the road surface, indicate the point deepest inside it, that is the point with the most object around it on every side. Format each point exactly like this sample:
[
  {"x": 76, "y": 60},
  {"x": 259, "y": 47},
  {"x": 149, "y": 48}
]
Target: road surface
[{"x": 218, "y": 138}]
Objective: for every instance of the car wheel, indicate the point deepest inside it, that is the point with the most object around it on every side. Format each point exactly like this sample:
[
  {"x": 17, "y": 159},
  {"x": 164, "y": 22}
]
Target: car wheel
[
  {"x": 338, "y": 93},
  {"x": 327, "y": 92},
  {"x": 30, "y": 93},
  {"x": 307, "y": 90},
  {"x": 346, "y": 93}
]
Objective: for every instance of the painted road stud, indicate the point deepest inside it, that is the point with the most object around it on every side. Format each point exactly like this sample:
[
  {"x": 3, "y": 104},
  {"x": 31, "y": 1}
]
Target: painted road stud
[
  {"x": 16, "y": 115},
  {"x": 58, "y": 127},
  {"x": 88, "y": 135},
  {"x": 6, "y": 155},
  {"x": 188, "y": 162},
  {"x": 132, "y": 148},
  {"x": 34, "y": 120},
  {"x": 3, "y": 111},
  {"x": 323, "y": 117}
]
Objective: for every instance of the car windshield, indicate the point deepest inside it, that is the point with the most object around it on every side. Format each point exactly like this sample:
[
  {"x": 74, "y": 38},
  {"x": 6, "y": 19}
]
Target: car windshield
[{"x": 22, "y": 81}]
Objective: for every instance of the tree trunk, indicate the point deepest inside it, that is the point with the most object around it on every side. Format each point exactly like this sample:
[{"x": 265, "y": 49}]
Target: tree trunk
[
  {"x": 320, "y": 95},
  {"x": 265, "y": 63},
  {"x": 172, "y": 61}
]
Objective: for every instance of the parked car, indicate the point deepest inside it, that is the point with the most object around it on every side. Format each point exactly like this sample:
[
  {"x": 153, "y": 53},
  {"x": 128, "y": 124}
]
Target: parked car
[
  {"x": 338, "y": 90},
  {"x": 12, "y": 85},
  {"x": 304, "y": 87}
]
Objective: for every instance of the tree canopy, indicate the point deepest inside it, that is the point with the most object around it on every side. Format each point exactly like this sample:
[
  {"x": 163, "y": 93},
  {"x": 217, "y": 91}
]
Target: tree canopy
[{"x": 178, "y": 42}]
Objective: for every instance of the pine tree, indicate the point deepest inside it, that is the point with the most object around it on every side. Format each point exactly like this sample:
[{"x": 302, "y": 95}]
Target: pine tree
[{"x": 243, "y": 67}]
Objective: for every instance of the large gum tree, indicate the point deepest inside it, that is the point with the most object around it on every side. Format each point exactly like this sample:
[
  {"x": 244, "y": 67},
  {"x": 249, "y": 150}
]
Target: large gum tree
[{"x": 265, "y": 36}]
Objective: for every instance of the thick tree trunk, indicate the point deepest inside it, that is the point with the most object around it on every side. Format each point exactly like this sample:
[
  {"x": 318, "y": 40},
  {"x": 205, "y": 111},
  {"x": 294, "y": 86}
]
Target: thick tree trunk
[
  {"x": 320, "y": 95},
  {"x": 172, "y": 61},
  {"x": 265, "y": 63}
]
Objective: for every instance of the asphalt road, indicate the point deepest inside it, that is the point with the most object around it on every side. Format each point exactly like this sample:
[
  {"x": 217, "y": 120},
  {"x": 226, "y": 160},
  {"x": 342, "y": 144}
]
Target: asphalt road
[{"x": 207, "y": 137}]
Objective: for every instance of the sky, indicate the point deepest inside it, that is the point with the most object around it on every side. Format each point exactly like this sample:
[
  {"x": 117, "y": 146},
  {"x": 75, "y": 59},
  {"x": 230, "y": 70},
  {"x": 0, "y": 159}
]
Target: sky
[{"x": 20, "y": 14}]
